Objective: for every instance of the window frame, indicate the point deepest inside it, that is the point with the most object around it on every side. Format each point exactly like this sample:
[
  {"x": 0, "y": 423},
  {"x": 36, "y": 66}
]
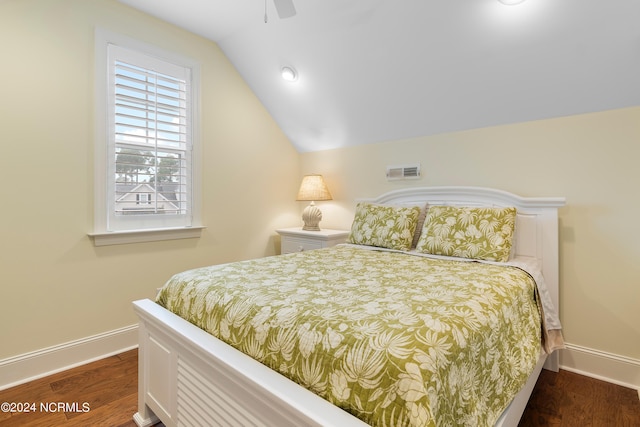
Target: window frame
[{"x": 103, "y": 189}]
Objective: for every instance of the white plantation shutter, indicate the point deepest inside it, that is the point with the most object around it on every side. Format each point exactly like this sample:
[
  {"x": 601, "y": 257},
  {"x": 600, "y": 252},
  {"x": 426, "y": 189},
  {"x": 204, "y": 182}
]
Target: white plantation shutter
[{"x": 149, "y": 142}]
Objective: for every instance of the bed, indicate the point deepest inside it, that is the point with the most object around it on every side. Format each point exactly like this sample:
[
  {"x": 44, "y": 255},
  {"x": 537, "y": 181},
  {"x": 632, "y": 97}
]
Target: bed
[{"x": 187, "y": 376}]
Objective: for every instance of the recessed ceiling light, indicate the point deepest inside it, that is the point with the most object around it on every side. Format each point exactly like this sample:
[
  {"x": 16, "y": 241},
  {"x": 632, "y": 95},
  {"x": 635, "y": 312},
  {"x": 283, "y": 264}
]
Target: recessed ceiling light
[
  {"x": 510, "y": 2},
  {"x": 289, "y": 74}
]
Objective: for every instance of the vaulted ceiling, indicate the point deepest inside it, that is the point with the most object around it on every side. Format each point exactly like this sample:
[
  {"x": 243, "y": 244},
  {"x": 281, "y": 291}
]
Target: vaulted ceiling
[{"x": 378, "y": 70}]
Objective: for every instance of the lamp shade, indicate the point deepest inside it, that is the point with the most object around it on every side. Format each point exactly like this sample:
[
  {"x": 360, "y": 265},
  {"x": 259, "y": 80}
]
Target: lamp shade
[{"x": 313, "y": 188}]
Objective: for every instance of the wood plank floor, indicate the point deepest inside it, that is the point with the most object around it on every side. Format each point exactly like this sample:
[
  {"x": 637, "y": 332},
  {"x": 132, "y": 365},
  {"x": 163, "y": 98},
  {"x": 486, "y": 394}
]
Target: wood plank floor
[
  {"x": 568, "y": 399},
  {"x": 109, "y": 387}
]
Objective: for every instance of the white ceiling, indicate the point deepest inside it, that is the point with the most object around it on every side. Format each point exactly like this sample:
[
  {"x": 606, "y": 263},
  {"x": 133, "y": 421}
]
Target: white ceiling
[{"x": 377, "y": 70}]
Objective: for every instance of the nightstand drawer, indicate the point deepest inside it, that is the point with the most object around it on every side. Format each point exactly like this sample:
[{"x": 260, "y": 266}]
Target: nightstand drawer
[
  {"x": 292, "y": 244},
  {"x": 298, "y": 240}
]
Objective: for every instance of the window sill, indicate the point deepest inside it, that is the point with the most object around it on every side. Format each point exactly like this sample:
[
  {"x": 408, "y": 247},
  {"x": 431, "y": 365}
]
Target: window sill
[{"x": 139, "y": 236}]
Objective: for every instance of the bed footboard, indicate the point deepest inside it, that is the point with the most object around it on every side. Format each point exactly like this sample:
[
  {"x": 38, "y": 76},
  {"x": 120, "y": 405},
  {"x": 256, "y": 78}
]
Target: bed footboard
[{"x": 188, "y": 377}]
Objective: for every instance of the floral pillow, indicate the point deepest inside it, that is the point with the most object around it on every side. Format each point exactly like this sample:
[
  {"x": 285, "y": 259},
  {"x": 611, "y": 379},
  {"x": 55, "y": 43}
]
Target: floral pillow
[
  {"x": 384, "y": 226},
  {"x": 478, "y": 233}
]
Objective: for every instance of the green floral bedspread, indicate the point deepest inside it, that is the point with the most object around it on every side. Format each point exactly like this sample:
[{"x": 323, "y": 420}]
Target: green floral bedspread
[{"x": 395, "y": 339}]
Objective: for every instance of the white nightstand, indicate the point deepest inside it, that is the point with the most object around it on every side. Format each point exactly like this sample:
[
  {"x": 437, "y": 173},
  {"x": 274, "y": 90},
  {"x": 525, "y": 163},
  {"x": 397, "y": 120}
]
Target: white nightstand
[{"x": 298, "y": 240}]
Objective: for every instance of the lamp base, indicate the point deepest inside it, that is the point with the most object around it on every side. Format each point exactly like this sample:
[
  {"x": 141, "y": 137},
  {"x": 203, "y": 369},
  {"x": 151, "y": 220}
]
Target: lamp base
[{"x": 311, "y": 216}]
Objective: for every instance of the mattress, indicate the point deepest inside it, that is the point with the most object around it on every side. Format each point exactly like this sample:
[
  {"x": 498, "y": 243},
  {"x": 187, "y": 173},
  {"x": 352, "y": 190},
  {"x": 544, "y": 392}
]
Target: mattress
[{"x": 393, "y": 338}]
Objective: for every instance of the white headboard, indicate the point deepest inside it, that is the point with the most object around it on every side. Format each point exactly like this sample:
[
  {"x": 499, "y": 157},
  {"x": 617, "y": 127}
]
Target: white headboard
[{"x": 536, "y": 232}]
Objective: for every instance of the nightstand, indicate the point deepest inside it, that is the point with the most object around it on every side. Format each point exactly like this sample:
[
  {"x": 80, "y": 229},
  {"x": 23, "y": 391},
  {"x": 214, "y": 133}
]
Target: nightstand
[{"x": 298, "y": 240}]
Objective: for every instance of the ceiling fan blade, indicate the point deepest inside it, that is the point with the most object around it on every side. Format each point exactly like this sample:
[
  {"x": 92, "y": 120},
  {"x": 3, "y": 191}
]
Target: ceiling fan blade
[{"x": 285, "y": 8}]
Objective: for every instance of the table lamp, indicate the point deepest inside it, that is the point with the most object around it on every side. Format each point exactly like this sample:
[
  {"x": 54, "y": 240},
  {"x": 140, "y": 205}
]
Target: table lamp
[{"x": 313, "y": 189}]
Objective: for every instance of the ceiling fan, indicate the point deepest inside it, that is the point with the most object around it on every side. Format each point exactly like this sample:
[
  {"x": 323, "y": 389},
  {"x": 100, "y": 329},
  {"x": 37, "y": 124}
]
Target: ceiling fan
[{"x": 285, "y": 9}]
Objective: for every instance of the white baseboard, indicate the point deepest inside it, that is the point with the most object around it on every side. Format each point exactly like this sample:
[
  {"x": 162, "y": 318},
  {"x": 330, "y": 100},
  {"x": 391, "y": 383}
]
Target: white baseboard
[
  {"x": 621, "y": 370},
  {"x": 41, "y": 363},
  {"x": 601, "y": 365}
]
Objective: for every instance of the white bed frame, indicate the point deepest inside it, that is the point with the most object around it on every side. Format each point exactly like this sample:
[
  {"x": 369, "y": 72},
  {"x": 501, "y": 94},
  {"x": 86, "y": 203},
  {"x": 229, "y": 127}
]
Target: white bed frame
[{"x": 188, "y": 377}]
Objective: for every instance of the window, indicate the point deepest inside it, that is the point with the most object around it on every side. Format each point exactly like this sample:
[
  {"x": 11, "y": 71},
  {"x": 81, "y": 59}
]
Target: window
[
  {"x": 144, "y": 199},
  {"x": 146, "y": 140},
  {"x": 149, "y": 140}
]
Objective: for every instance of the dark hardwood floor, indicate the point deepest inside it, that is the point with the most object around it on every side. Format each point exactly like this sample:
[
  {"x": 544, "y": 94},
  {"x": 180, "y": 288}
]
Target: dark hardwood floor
[
  {"x": 109, "y": 388},
  {"x": 568, "y": 399}
]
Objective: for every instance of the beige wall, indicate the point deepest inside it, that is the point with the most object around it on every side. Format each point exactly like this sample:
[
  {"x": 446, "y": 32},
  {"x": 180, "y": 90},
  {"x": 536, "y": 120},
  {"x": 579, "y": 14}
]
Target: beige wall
[
  {"x": 55, "y": 286},
  {"x": 590, "y": 159}
]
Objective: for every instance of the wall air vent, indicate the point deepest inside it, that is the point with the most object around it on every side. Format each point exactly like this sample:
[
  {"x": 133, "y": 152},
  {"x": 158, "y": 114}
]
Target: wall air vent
[{"x": 403, "y": 172}]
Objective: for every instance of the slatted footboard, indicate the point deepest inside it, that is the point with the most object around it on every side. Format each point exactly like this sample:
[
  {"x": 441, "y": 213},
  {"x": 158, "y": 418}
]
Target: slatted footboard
[{"x": 188, "y": 377}]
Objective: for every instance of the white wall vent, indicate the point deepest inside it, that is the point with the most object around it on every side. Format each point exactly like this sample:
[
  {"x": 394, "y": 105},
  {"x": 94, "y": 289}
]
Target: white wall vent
[{"x": 403, "y": 172}]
